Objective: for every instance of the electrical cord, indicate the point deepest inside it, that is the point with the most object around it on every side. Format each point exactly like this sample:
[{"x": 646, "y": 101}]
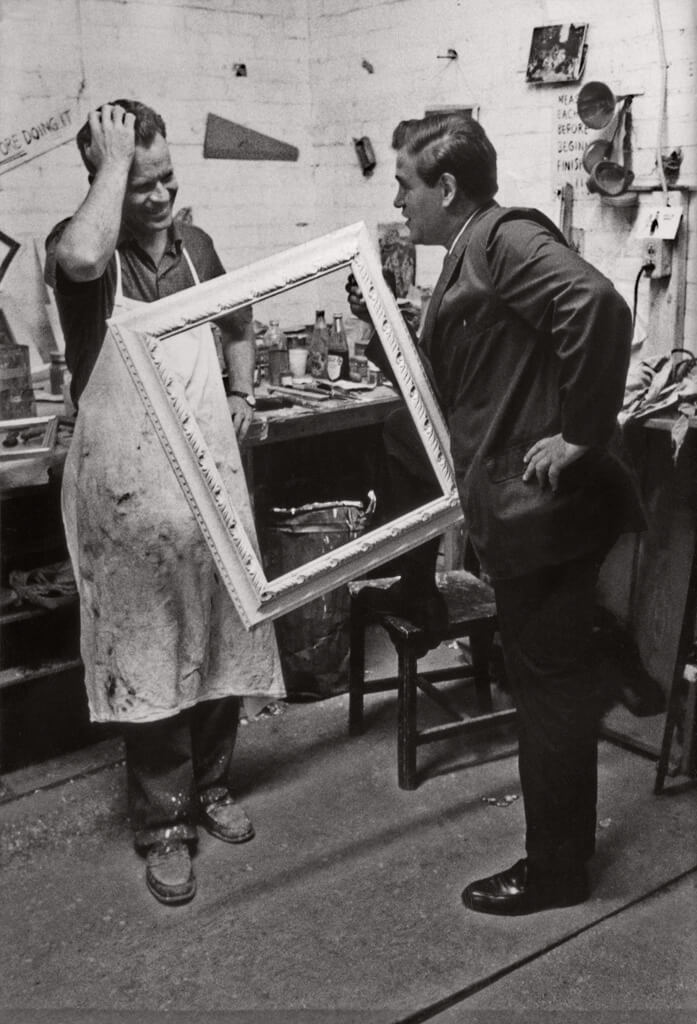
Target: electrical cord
[{"x": 646, "y": 269}]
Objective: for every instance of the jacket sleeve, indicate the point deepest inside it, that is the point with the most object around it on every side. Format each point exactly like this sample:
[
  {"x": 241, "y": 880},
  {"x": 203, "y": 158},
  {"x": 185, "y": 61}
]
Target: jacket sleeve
[{"x": 569, "y": 302}]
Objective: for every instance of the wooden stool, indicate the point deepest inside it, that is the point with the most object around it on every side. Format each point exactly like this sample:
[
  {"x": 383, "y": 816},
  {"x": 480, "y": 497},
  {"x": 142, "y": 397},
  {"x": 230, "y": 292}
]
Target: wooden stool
[{"x": 471, "y": 614}]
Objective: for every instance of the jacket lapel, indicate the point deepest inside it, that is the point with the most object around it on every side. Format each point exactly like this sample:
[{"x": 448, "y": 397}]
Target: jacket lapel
[{"x": 450, "y": 265}]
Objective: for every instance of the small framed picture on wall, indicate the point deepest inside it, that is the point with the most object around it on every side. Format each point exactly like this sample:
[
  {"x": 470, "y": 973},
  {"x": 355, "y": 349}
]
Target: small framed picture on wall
[{"x": 557, "y": 54}]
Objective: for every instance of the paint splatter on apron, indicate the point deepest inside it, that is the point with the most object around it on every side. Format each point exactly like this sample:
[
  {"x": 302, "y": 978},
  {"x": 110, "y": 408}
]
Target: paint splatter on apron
[{"x": 159, "y": 632}]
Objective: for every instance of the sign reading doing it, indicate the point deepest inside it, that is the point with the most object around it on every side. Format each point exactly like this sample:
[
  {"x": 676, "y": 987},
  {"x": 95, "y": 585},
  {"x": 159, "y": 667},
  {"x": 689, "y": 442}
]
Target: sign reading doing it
[{"x": 30, "y": 137}]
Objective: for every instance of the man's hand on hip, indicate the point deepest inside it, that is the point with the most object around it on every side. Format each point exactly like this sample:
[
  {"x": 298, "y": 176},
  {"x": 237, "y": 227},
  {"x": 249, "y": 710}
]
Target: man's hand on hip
[{"x": 548, "y": 457}]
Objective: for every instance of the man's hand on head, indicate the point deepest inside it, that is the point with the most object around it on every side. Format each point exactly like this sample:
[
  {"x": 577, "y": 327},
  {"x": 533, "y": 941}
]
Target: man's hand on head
[
  {"x": 112, "y": 137},
  {"x": 548, "y": 457}
]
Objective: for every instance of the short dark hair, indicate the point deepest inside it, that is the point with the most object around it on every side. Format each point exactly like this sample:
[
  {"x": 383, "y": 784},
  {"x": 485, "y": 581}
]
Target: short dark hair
[
  {"x": 453, "y": 143},
  {"x": 148, "y": 124}
]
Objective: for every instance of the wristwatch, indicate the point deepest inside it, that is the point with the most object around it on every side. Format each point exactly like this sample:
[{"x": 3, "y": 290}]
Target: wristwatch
[{"x": 249, "y": 399}]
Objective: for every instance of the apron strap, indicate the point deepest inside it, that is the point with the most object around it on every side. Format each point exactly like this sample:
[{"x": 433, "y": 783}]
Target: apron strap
[
  {"x": 192, "y": 268},
  {"x": 118, "y": 293}
]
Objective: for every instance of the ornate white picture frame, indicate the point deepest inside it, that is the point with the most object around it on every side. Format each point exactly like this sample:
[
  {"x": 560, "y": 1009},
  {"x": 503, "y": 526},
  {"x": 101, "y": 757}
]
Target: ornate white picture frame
[{"x": 137, "y": 334}]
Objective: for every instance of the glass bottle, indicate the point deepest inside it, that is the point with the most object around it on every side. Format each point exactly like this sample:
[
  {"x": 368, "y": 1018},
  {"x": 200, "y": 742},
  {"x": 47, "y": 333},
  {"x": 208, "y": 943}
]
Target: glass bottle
[
  {"x": 261, "y": 362},
  {"x": 277, "y": 348},
  {"x": 318, "y": 346},
  {"x": 338, "y": 367}
]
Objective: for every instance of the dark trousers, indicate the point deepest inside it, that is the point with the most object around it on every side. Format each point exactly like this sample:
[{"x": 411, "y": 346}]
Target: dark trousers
[
  {"x": 546, "y": 629},
  {"x": 175, "y": 764}
]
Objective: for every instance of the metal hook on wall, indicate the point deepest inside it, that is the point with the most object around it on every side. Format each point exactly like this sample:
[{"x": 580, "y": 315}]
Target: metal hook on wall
[{"x": 365, "y": 154}]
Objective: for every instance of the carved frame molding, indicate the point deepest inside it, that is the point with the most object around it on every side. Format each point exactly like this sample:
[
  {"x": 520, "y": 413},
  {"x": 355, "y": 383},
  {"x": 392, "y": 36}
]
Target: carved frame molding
[{"x": 137, "y": 334}]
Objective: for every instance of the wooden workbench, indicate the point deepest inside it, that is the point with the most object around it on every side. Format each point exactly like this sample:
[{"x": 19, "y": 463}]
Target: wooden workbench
[
  {"x": 649, "y": 582},
  {"x": 291, "y": 423}
]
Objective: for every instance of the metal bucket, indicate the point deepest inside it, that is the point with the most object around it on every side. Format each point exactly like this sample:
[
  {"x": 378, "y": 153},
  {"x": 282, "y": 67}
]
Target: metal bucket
[{"x": 313, "y": 640}]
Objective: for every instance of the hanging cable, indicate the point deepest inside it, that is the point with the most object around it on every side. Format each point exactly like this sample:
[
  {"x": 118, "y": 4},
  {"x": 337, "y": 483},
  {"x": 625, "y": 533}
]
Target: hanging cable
[
  {"x": 646, "y": 269},
  {"x": 664, "y": 97}
]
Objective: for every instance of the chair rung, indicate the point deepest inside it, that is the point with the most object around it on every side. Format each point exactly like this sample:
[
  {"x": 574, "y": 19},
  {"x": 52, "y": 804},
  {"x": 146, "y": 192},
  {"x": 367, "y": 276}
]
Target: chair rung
[
  {"x": 434, "y": 675},
  {"x": 434, "y": 695},
  {"x": 441, "y": 732},
  {"x": 471, "y": 610}
]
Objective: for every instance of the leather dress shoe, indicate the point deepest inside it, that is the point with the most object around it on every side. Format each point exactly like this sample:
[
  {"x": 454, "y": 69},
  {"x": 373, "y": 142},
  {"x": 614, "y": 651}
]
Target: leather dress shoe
[
  {"x": 168, "y": 874},
  {"x": 519, "y": 890},
  {"x": 227, "y": 820}
]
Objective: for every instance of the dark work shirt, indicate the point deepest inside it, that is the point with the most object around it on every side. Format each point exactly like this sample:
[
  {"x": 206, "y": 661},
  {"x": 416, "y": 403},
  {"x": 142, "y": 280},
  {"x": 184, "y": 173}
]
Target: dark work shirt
[{"x": 84, "y": 307}]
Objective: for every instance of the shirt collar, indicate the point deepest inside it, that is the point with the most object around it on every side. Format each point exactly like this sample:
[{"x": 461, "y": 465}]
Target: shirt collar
[
  {"x": 174, "y": 237},
  {"x": 458, "y": 236}
]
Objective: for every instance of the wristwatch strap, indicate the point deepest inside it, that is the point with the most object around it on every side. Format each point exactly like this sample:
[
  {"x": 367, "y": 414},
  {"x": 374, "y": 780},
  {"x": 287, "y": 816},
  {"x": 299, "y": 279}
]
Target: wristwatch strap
[{"x": 249, "y": 399}]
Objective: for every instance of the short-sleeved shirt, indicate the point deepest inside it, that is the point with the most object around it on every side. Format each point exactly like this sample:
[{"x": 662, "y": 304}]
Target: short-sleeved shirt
[{"x": 85, "y": 306}]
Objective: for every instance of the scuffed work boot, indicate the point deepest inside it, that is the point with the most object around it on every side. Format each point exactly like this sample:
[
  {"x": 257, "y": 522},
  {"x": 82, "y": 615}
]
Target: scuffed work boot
[
  {"x": 227, "y": 820},
  {"x": 169, "y": 874}
]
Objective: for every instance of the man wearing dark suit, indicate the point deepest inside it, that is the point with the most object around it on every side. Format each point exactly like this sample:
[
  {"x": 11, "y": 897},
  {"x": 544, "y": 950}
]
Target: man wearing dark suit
[{"x": 528, "y": 347}]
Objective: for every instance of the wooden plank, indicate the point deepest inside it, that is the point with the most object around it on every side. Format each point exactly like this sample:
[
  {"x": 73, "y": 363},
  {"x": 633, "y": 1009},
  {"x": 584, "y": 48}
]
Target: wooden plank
[
  {"x": 28, "y": 673},
  {"x": 27, "y": 612}
]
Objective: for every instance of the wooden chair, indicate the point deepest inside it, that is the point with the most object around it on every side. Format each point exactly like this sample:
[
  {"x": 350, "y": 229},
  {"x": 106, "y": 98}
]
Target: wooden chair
[{"x": 472, "y": 615}]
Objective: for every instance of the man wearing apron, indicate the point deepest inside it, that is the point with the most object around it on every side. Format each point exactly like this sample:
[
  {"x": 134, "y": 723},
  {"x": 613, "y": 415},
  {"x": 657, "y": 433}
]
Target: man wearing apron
[{"x": 165, "y": 653}]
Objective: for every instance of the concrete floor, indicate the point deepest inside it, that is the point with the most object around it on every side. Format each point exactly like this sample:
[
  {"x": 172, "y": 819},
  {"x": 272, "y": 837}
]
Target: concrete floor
[{"x": 345, "y": 907}]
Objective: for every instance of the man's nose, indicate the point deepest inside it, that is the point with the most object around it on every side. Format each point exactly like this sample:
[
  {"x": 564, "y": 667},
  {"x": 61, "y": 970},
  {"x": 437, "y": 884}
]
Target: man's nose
[{"x": 160, "y": 194}]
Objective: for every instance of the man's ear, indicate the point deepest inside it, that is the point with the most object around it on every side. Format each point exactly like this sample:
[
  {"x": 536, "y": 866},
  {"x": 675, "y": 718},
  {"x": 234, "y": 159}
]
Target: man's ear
[{"x": 449, "y": 188}]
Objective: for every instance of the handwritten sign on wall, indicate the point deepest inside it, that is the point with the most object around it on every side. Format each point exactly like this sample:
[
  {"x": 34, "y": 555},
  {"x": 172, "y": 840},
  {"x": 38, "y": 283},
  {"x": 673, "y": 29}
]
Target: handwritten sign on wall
[
  {"x": 571, "y": 136},
  {"x": 29, "y": 137}
]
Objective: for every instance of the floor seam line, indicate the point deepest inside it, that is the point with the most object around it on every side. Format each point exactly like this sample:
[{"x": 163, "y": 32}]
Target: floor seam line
[
  {"x": 428, "y": 1012},
  {"x": 11, "y": 797}
]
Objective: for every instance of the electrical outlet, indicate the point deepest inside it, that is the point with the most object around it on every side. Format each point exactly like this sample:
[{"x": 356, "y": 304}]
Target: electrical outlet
[{"x": 659, "y": 252}]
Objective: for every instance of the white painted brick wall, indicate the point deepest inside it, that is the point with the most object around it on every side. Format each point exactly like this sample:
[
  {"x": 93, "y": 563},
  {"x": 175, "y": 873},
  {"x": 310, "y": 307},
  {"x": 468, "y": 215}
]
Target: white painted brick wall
[
  {"x": 306, "y": 85},
  {"x": 403, "y": 41},
  {"x": 178, "y": 56}
]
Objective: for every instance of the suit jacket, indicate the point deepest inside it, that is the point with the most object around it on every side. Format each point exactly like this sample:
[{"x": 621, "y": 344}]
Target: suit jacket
[{"x": 524, "y": 340}]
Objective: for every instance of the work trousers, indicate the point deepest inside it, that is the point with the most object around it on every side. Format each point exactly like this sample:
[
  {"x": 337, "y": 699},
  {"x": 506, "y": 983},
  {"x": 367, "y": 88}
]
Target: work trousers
[
  {"x": 176, "y": 764},
  {"x": 556, "y": 681}
]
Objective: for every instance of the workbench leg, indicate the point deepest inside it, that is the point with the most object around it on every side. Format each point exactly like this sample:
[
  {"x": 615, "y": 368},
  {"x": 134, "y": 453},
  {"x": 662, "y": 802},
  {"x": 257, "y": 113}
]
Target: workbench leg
[
  {"x": 688, "y": 765},
  {"x": 356, "y": 670},
  {"x": 406, "y": 717},
  {"x": 675, "y": 699},
  {"x": 672, "y": 719},
  {"x": 480, "y": 649}
]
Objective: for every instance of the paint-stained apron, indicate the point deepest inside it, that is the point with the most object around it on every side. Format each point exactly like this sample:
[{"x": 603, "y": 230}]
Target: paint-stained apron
[{"x": 159, "y": 632}]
